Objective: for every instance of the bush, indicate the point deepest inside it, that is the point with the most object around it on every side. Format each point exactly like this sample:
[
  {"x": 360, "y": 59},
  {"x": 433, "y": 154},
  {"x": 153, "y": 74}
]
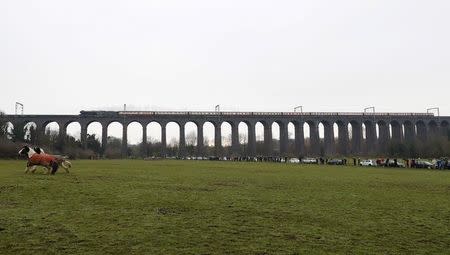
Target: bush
[
  {"x": 113, "y": 153},
  {"x": 8, "y": 149},
  {"x": 78, "y": 153}
]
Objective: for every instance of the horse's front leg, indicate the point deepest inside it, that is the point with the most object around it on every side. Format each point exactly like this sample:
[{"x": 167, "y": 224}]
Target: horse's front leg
[
  {"x": 33, "y": 169},
  {"x": 27, "y": 169}
]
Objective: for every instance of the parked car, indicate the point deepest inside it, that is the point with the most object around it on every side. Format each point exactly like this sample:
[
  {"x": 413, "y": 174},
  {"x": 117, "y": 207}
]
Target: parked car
[
  {"x": 335, "y": 162},
  {"x": 394, "y": 163},
  {"x": 401, "y": 164},
  {"x": 309, "y": 161},
  {"x": 368, "y": 162},
  {"x": 294, "y": 160},
  {"x": 390, "y": 163},
  {"x": 423, "y": 164}
]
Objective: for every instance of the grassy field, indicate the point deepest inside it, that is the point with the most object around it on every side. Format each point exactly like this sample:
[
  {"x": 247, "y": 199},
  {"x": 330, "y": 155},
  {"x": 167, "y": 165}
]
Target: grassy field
[{"x": 176, "y": 207}]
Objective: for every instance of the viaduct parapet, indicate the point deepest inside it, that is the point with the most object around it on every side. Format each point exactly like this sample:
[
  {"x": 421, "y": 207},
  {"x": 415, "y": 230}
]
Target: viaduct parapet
[{"x": 373, "y": 130}]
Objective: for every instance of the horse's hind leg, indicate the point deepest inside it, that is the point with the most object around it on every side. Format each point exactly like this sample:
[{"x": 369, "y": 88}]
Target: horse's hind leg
[{"x": 55, "y": 167}]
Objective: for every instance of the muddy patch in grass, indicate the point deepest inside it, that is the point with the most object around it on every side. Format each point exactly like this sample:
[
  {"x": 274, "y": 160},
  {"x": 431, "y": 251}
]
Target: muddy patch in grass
[
  {"x": 231, "y": 184},
  {"x": 170, "y": 211},
  {"x": 275, "y": 187},
  {"x": 8, "y": 204},
  {"x": 179, "y": 188},
  {"x": 9, "y": 188}
]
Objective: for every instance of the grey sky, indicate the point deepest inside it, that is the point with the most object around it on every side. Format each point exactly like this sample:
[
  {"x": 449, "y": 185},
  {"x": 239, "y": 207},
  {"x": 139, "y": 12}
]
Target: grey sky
[{"x": 245, "y": 55}]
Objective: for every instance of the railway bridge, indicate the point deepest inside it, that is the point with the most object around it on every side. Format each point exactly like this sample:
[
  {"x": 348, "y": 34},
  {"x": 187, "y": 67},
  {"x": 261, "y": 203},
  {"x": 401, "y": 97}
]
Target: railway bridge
[{"x": 371, "y": 131}]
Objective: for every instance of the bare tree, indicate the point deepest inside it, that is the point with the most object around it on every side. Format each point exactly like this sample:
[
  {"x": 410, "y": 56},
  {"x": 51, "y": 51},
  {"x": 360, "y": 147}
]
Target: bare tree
[
  {"x": 291, "y": 135},
  {"x": 18, "y": 133},
  {"x": 260, "y": 137},
  {"x": 173, "y": 142},
  {"x": 3, "y": 125},
  {"x": 207, "y": 141},
  {"x": 191, "y": 138},
  {"x": 243, "y": 138},
  {"x": 226, "y": 140},
  {"x": 152, "y": 140}
]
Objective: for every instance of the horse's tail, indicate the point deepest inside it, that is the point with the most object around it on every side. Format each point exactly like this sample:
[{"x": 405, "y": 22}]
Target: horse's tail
[
  {"x": 66, "y": 164},
  {"x": 55, "y": 167}
]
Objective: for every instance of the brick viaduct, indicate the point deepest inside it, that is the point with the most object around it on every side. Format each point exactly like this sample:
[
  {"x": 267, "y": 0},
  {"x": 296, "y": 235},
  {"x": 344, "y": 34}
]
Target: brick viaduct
[{"x": 380, "y": 128}]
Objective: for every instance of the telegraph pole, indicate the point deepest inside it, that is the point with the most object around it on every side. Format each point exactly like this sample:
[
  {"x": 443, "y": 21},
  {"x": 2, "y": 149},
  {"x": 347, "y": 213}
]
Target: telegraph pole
[
  {"x": 299, "y": 107},
  {"x": 19, "y": 105},
  {"x": 370, "y": 108},
  {"x": 434, "y": 109}
]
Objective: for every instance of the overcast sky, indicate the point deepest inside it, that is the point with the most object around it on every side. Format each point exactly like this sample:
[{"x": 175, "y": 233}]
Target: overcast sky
[{"x": 66, "y": 56}]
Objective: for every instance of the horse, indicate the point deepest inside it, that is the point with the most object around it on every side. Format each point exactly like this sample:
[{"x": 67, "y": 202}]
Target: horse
[
  {"x": 35, "y": 159},
  {"x": 62, "y": 160}
]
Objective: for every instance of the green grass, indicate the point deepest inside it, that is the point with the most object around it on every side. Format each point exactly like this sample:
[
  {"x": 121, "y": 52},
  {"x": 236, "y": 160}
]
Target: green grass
[{"x": 176, "y": 207}]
